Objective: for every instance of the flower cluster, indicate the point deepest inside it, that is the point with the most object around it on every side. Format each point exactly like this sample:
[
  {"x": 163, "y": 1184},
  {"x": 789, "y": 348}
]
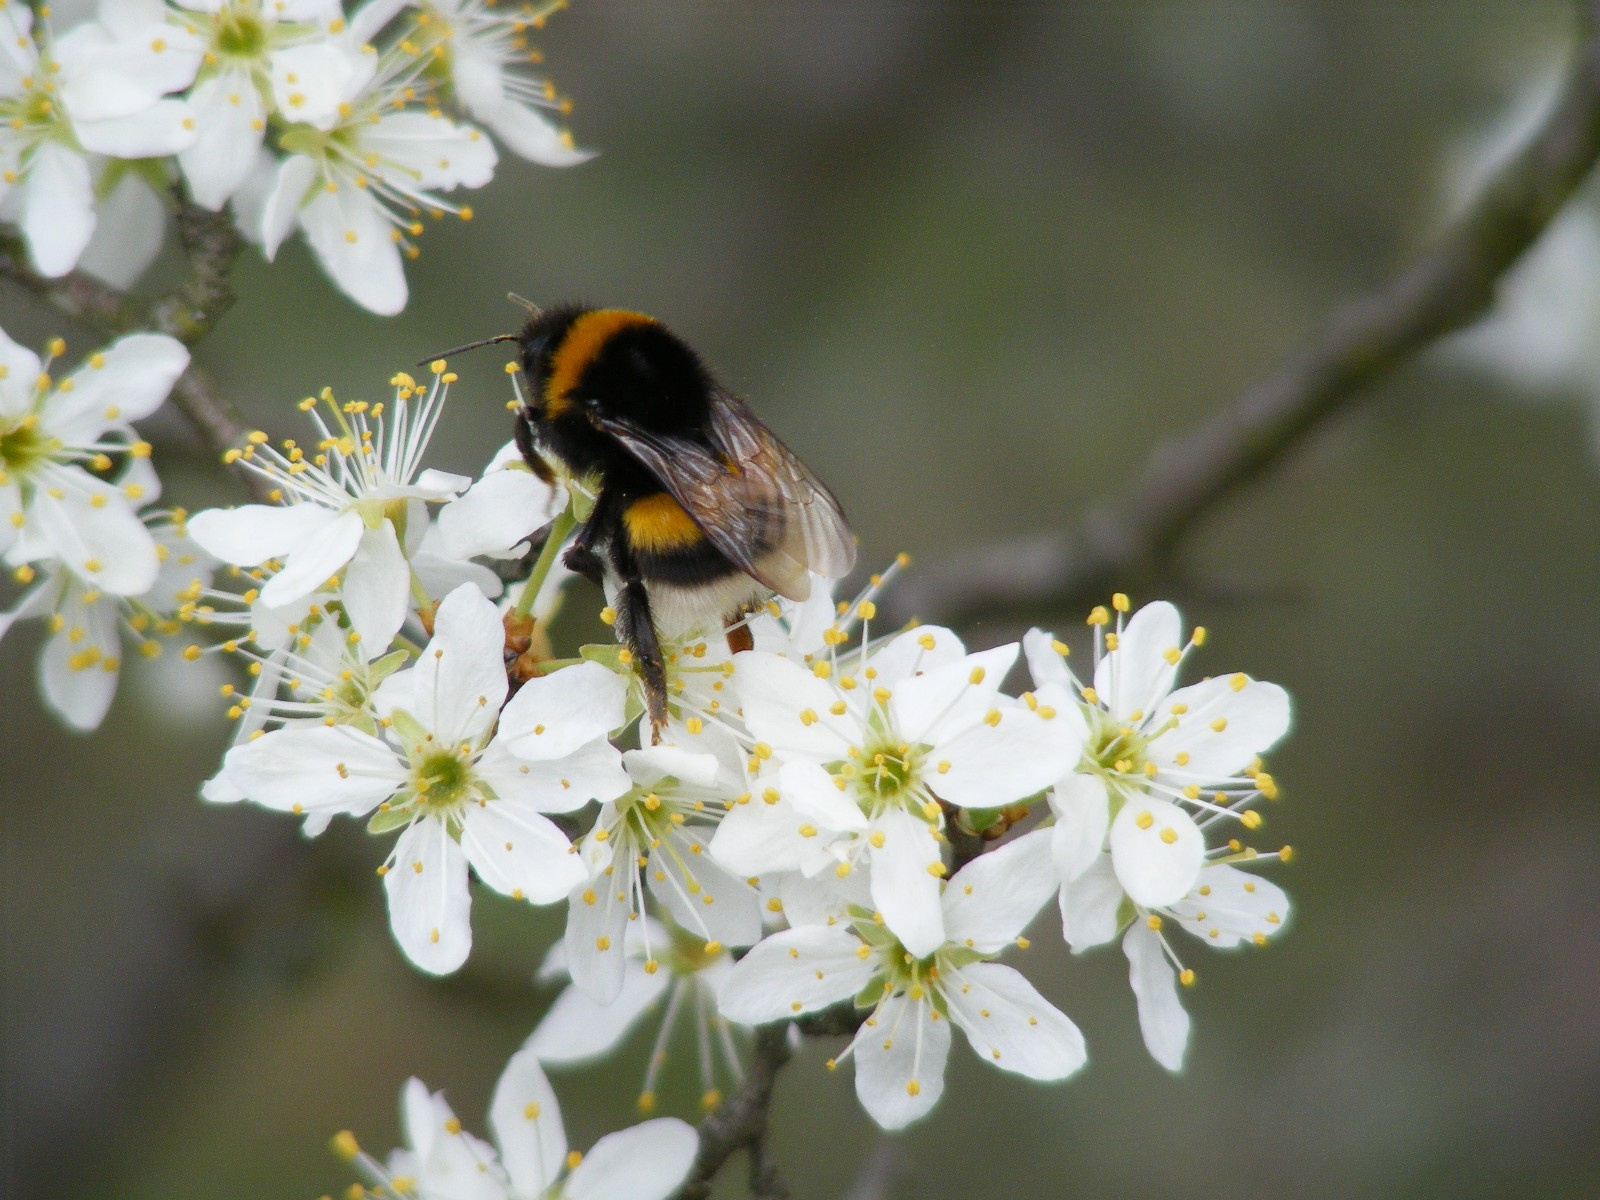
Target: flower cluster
[
  {"x": 841, "y": 827},
  {"x": 349, "y": 129},
  {"x": 77, "y": 526}
]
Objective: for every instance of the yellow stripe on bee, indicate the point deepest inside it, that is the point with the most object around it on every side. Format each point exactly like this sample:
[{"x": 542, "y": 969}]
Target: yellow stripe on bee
[
  {"x": 659, "y": 524},
  {"x": 584, "y": 340}
]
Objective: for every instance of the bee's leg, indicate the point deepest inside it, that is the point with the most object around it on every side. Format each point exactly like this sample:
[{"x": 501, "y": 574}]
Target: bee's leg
[
  {"x": 638, "y": 631},
  {"x": 736, "y": 628},
  {"x": 580, "y": 555}
]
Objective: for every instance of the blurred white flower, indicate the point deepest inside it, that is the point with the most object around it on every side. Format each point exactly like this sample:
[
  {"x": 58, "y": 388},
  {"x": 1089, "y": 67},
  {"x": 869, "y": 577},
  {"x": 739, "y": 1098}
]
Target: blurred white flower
[
  {"x": 60, "y": 107},
  {"x": 666, "y": 970},
  {"x": 482, "y": 47},
  {"x": 441, "y": 1161},
  {"x": 81, "y": 659},
  {"x": 355, "y": 187},
  {"x": 652, "y": 838},
  {"x": 901, "y": 1047},
  {"x": 58, "y": 442},
  {"x": 347, "y": 506},
  {"x": 467, "y": 783}
]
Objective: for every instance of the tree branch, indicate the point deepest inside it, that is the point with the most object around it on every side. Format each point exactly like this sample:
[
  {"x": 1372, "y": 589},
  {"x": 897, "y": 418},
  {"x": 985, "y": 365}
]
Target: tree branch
[
  {"x": 1449, "y": 286},
  {"x": 188, "y": 312},
  {"x": 741, "y": 1124}
]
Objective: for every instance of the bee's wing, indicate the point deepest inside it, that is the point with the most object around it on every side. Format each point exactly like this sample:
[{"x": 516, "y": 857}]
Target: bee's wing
[{"x": 759, "y": 505}]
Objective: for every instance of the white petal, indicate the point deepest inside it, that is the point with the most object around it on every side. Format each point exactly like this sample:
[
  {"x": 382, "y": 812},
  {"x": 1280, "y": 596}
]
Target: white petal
[
  {"x": 701, "y": 894},
  {"x": 1017, "y": 756},
  {"x": 419, "y": 150},
  {"x": 288, "y": 192},
  {"x": 497, "y": 512},
  {"x": 127, "y": 75},
  {"x": 460, "y": 680},
  {"x": 429, "y": 905},
  {"x": 904, "y": 890},
  {"x": 309, "y": 81},
  {"x": 526, "y": 1122},
  {"x": 527, "y": 134},
  {"x": 57, "y": 204},
  {"x": 1012, "y": 1026},
  {"x": 478, "y": 79},
  {"x": 1155, "y": 986},
  {"x": 990, "y": 901},
  {"x": 1229, "y": 906},
  {"x": 135, "y": 376},
  {"x": 1045, "y": 663},
  {"x": 900, "y": 1059},
  {"x": 21, "y": 369},
  {"x": 577, "y": 1029},
  {"x": 815, "y": 797},
  {"x": 591, "y": 772},
  {"x": 1137, "y": 674},
  {"x": 80, "y": 693},
  {"x": 797, "y": 971},
  {"x": 553, "y": 715},
  {"x": 597, "y": 921},
  {"x": 1252, "y": 719},
  {"x": 313, "y": 768},
  {"x": 518, "y": 852},
  {"x": 774, "y": 692},
  {"x": 1082, "y": 812},
  {"x": 105, "y": 544},
  {"x": 1091, "y": 906},
  {"x": 252, "y": 533},
  {"x": 164, "y": 128},
  {"x": 315, "y": 560},
  {"x": 756, "y": 838},
  {"x": 932, "y": 706},
  {"x": 231, "y": 119},
  {"x": 377, "y": 587},
  {"x": 646, "y": 1162},
  {"x": 128, "y": 236},
  {"x": 1156, "y": 849},
  {"x": 351, "y": 239},
  {"x": 909, "y": 654},
  {"x": 651, "y": 764}
]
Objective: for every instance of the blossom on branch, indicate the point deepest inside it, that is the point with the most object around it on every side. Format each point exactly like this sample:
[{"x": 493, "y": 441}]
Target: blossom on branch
[
  {"x": 466, "y": 782},
  {"x": 901, "y": 1046}
]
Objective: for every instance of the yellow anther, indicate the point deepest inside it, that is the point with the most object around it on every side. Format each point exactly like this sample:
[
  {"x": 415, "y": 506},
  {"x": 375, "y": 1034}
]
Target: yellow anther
[
  {"x": 1099, "y": 616},
  {"x": 1238, "y": 681},
  {"x": 1250, "y": 819},
  {"x": 1219, "y": 724},
  {"x": 1186, "y": 977},
  {"x": 1145, "y": 819},
  {"x": 1119, "y": 601}
]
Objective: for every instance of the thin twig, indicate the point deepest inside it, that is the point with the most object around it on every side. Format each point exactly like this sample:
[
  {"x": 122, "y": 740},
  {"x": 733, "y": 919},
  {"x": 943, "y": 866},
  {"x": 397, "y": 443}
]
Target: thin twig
[
  {"x": 741, "y": 1124},
  {"x": 188, "y": 312},
  {"x": 1448, "y": 287}
]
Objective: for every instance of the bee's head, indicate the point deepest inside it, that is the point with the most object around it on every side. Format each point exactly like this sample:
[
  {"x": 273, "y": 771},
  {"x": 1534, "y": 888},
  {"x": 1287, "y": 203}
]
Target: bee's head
[{"x": 615, "y": 362}]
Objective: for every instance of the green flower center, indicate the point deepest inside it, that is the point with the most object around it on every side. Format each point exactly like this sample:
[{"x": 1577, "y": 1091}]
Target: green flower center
[
  {"x": 888, "y": 773},
  {"x": 442, "y": 780},
  {"x": 23, "y": 446},
  {"x": 240, "y": 32}
]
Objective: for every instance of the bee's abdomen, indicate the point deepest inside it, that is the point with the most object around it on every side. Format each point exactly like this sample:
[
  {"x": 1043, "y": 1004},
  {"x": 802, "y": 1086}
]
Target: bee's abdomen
[{"x": 668, "y": 546}]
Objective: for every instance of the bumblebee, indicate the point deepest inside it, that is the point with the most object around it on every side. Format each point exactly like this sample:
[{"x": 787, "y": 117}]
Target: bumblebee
[{"x": 700, "y": 511}]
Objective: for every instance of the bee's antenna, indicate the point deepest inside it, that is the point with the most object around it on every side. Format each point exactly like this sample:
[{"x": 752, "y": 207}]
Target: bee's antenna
[
  {"x": 504, "y": 337},
  {"x": 533, "y": 309}
]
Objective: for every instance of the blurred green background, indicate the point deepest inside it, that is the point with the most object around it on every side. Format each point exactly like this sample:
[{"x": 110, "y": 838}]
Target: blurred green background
[{"x": 974, "y": 262}]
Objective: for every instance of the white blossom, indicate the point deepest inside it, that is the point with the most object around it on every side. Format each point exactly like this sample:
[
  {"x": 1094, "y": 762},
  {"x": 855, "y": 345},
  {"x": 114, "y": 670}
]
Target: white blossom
[
  {"x": 667, "y": 973},
  {"x": 61, "y": 107},
  {"x": 481, "y": 47},
  {"x": 81, "y": 659},
  {"x": 903, "y": 1042},
  {"x": 466, "y": 782},
  {"x": 651, "y": 840},
  {"x": 346, "y": 506},
  {"x": 355, "y": 187},
  {"x": 63, "y": 495},
  {"x": 441, "y": 1161},
  {"x": 1156, "y": 765},
  {"x": 867, "y": 748}
]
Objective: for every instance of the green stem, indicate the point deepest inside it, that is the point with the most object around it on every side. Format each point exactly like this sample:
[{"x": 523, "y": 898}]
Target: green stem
[{"x": 559, "y": 528}]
